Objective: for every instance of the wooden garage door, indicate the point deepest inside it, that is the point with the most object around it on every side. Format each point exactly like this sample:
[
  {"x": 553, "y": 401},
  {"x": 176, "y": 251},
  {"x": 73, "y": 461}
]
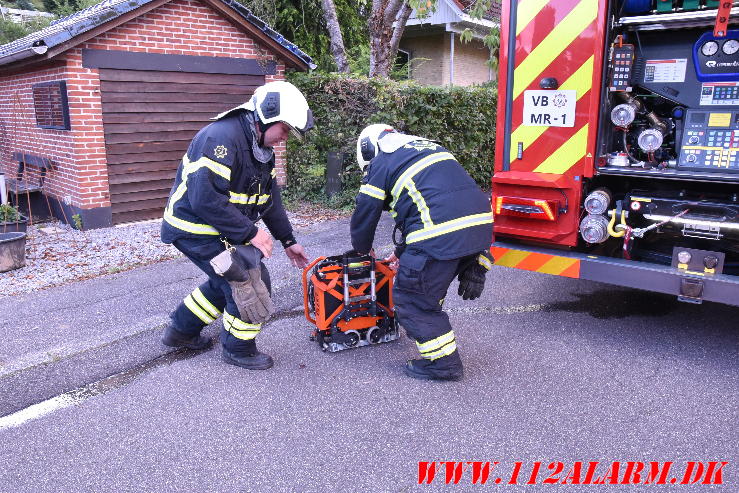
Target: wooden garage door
[{"x": 149, "y": 119}]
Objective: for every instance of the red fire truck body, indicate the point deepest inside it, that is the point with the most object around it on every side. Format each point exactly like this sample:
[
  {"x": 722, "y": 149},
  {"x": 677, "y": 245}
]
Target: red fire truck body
[{"x": 617, "y": 154}]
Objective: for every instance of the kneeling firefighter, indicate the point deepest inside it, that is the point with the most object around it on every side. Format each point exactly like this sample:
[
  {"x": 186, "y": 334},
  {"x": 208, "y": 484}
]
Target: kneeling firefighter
[
  {"x": 446, "y": 223},
  {"x": 224, "y": 185}
]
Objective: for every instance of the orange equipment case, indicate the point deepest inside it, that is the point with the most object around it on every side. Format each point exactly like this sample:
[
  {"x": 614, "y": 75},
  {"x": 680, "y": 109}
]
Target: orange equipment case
[{"x": 351, "y": 301}]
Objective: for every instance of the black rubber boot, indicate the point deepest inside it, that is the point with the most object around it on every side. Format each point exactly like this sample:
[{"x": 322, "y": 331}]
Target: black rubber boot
[
  {"x": 424, "y": 369},
  {"x": 253, "y": 360},
  {"x": 173, "y": 338}
]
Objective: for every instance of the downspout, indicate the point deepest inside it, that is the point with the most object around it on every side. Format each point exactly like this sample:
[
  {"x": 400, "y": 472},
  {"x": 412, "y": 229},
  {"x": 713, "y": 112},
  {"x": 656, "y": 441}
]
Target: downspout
[{"x": 451, "y": 59}]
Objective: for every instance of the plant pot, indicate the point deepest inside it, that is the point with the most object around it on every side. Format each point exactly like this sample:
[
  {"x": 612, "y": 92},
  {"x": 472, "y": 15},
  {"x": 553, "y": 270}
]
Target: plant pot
[
  {"x": 18, "y": 226},
  {"x": 12, "y": 251}
]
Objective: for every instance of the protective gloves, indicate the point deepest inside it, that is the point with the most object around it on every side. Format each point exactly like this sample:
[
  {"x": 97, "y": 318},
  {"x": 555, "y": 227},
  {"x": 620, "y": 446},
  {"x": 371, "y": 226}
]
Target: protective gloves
[
  {"x": 472, "y": 275},
  {"x": 241, "y": 267}
]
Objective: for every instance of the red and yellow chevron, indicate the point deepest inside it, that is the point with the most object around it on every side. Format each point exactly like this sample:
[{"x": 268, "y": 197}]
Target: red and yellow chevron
[
  {"x": 536, "y": 262},
  {"x": 562, "y": 39}
]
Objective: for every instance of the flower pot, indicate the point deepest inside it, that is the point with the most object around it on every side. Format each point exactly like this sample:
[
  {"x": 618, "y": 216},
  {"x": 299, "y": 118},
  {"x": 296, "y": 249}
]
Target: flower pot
[
  {"x": 18, "y": 226},
  {"x": 12, "y": 251}
]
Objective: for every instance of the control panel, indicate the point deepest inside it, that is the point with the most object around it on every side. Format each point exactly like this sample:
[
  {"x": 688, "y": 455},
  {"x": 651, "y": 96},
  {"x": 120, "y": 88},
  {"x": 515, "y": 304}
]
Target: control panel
[
  {"x": 710, "y": 141},
  {"x": 719, "y": 94},
  {"x": 622, "y": 59},
  {"x": 717, "y": 59}
]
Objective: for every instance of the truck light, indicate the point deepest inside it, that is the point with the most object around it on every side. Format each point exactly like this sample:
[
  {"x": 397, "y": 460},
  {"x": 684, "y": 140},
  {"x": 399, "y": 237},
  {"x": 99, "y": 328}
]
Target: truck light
[
  {"x": 594, "y": 228},
  {"x": 598, "y": 201},
  {"x": 524, "y": 207}
]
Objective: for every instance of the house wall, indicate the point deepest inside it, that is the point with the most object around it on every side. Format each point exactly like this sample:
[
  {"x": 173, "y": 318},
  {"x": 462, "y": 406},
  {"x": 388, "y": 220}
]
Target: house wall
[
  {"x": 181, "y": 27},
  {"x": 469, "y": 60},
  {"x": 427, "y": 66}
]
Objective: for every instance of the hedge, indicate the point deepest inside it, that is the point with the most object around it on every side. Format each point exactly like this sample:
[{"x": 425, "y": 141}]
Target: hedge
[{"x": 461, "y": 118}]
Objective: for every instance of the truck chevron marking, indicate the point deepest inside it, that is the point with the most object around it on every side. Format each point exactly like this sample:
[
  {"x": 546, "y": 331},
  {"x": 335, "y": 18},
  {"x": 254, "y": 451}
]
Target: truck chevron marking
[
  {"x": 554, "y": 44},
  {"x": 567, "y": 154},
  {"x": 536, "y": 262},
  {"x": 580, "y": 81}
]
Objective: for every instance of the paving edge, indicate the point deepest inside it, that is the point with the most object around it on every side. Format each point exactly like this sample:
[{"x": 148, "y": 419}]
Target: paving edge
[{"x": 37, "y": 382}]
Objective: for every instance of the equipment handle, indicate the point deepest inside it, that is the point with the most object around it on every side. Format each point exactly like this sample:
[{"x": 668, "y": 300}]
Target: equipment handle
[{"x": 305, "y": 288}]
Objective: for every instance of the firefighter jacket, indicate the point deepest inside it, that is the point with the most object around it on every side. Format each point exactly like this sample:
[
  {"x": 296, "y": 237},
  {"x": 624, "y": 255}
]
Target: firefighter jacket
[
  {"x": 436, "y": 205},
  {"x": 220, "y": 189}
]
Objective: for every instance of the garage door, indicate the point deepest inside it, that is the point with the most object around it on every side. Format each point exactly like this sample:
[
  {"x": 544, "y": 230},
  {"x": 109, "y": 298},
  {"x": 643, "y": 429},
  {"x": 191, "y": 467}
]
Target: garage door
[{"x": 149, "y": 119}]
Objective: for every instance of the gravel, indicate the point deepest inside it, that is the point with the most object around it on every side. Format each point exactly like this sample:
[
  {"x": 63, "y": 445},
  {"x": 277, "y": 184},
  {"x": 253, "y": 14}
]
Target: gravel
[{"x": 57, "y": 254}]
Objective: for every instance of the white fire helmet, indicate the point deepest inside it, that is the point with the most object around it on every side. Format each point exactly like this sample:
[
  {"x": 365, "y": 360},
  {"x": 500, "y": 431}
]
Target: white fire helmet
[
  {"x": 367, "y": 143},
  {"x": 279, "y": 101}
]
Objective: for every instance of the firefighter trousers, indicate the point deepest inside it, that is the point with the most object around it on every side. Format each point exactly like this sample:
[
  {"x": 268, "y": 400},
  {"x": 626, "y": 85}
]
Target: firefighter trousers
[
  {"x": 418, "y": 294},
  {"x": 212, "y": 299}
]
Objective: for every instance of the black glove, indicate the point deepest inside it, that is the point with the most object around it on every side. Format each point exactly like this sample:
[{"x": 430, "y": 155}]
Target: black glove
[{"x": 472, "y": 276}]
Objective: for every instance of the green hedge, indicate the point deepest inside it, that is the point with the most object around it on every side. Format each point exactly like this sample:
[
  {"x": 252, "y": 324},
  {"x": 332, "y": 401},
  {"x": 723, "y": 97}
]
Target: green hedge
[{"x": 462, "y": 119}]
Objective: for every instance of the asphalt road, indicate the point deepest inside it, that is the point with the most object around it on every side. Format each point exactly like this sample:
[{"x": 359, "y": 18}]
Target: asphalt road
[{"x": 557, "y": 370}]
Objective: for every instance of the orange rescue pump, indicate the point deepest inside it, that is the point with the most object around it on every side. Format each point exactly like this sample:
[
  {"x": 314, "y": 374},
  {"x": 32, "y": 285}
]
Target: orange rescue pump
[{"x": 350, "y": 301}]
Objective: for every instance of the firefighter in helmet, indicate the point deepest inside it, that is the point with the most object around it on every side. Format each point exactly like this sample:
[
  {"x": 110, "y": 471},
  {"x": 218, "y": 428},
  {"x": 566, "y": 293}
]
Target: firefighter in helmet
[
  {"x": 224, "y": 185},
  {"x": 446, "y": 224}
]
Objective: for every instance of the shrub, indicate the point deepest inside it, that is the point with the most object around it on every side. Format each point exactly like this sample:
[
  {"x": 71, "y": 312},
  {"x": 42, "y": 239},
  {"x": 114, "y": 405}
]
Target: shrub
[{"x": 460, "y": 118}]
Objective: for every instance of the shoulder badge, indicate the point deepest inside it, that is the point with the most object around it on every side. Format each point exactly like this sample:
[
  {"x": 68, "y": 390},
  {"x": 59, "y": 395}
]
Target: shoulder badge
[{"x": 220, "y": 151}]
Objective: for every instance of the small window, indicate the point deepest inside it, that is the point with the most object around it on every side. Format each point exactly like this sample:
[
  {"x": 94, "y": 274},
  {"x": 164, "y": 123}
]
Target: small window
[
  {"x": 51, "y": 106},
  {"x": 402, "y": 65}
]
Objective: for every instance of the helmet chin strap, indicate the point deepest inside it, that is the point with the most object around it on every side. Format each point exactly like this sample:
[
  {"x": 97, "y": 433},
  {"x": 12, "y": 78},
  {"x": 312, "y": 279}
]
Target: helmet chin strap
[{"x": 262, "y": 130}]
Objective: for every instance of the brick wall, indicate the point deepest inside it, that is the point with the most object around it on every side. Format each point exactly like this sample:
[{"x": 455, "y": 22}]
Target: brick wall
[
  {"x": 469, "y": 62},
  {"x": 427, "y": 59},
  {"x": 430, "y": 60},
  {"x": 181, "y": 27}
]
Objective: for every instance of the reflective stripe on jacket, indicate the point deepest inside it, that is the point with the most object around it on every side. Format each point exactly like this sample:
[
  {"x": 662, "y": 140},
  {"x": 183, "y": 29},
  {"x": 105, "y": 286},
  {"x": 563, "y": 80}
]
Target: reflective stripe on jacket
[
  {"x": 220, "y": 189},
  {"x": 435, "y": 203}
]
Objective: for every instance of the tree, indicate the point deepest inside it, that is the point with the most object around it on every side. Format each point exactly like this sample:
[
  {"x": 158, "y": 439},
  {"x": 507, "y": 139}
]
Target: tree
[
  {"x": 334, "y": 31},
  {"x": 386, "y": 25}
]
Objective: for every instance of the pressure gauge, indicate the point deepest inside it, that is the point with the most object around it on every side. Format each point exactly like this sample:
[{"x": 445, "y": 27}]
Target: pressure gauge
[
  {"x": 709, "y": 48},
  {"x": 730, "y": 46}
]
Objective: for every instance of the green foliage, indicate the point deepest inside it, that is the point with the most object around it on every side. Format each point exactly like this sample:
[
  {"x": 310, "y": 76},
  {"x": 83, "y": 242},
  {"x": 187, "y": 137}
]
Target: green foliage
[
  {"x": 301, "y": 21},
  {"x": 10, "y": 31},
  {"x": 461, "y": 118},
  {"x": 63, "y": 8},
  {"x": 77, "y": 220},
  {"x": 9, "y": 214}
]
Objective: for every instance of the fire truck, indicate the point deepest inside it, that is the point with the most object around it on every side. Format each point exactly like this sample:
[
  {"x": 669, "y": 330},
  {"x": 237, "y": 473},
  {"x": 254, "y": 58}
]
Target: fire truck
[{"x": 617, "y": 153}]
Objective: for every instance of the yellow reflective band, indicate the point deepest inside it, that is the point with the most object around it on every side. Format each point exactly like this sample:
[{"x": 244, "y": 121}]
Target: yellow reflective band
[
  {"x": 240, "y": 329},
  {"x": 554, "y": 44},
  {"x": 217, "y": 168},
  {"x": 197, "y": 311},
  {"x": 374, "y": 192},
  {"x": 273, "y": 173},
  {"x": 581, "y": 82},
  {"x": 526, "y": 11},
  {"x": 206, "y": 305},
  {"x": 239, "y": 198},
  {"x": 414, "y": 170},
  {"x": 417, "y": 198},
  {"x": 263, "y": 199},
  {"x": 567, "y": 154},
  {"x": 483, "y": 260},
  {"x": 450, "y": 227},
  {"x": 444, "y": 351},
  {"x": 198, "y": 229},
  {"x": 436, "y": 343}
]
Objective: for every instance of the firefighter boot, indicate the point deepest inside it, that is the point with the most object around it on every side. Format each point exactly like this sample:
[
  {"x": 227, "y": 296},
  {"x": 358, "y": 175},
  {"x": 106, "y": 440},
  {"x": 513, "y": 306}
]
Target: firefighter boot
[
  {"x": 249, "y": 358},
  {"x": 173, "y": 338},
  {"x": 446, "y": 368}
]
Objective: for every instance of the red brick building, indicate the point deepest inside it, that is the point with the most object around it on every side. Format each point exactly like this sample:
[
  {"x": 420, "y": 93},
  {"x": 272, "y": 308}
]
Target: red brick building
[{"x": 99, "y": 107}]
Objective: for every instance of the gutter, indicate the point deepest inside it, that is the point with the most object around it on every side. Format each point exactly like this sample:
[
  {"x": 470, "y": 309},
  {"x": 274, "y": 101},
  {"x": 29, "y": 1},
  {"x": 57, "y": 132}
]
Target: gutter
[{"x": 38, "y": 48}]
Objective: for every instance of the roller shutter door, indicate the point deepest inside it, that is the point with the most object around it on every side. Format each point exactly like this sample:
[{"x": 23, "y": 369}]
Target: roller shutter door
[{"x": 149, "y": 118}]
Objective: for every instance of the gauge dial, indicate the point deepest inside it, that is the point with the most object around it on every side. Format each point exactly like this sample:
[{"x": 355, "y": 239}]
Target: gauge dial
[
  {"x": 730, "y": 46},
  {"x": 709, "y": 48}
]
